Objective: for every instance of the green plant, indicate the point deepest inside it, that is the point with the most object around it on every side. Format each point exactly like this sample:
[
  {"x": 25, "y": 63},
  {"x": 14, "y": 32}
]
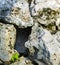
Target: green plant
[{"x": 15, "y": 56}]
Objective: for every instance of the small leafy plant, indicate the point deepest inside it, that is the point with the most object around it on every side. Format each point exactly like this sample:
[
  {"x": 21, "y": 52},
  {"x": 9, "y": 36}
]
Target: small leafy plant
[{"x": 14, "y": 57}]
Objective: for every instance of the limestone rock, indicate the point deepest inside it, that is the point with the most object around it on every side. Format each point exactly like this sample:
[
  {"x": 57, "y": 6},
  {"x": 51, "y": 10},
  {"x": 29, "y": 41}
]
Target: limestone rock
[
  {"x": 44, "y": 46},
  {"x": 46, "y": 11},
  {"x": 22, "y": 61},
  {"x": 7, "y": 41},
  {"x": 16, "y": 12}
]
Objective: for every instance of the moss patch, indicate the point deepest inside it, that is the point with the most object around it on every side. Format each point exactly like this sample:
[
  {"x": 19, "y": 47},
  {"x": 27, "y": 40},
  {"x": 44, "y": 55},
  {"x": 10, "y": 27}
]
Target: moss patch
[{"x": 15, "y": 56}]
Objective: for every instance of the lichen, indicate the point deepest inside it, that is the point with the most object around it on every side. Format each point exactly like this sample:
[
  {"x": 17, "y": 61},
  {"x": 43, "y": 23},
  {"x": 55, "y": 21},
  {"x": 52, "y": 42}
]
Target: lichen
[
  {"x": 48, "y": 13},
  {"x": 51, "y": 27}
]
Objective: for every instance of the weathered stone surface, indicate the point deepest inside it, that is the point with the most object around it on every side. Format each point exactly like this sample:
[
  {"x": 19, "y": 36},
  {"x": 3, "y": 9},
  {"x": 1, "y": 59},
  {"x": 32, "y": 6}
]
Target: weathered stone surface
[
  {"x": 44, "y": 46},
  {"x": 22, "y": 61},
  {"x": 16, "y": 12},
  {"x": 7, "y": 41},
  {"x": 46, "y": 11}
]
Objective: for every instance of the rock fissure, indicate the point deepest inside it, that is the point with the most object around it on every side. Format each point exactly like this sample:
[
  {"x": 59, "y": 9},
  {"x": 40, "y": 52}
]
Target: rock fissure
[{"x": 21, "y": 38}]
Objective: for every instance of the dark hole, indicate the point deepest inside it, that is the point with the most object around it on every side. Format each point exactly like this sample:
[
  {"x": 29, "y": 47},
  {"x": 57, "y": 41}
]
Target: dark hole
[
  {"x": 56, "y": 28},
  {"x": 21, "y": 38}
]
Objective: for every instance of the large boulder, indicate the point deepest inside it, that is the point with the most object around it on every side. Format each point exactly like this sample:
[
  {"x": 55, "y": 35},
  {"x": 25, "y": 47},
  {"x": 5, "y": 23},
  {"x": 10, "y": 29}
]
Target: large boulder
[
  {"x": 7, "y": 41},
  {"x": 16, "y": 12},
  {"x": 43, "y": 46},
  {"x": 46, "y": 11}
]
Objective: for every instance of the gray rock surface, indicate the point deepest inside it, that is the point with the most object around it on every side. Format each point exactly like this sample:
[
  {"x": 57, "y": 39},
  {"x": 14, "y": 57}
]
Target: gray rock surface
[
  {"x": 42, "y": 43},
  {"x": 16, "y": 12},
  {"x": 46, "y": 14},
  {"x": 44, "y": 46},
  {"x": 7, "y": 41}
]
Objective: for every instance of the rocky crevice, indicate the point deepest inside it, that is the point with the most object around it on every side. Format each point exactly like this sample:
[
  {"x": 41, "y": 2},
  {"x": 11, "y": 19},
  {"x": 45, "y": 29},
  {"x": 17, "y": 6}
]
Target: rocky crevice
[
  {"x": 21, "y": 37},
  {"x": 30, "y": 32}
]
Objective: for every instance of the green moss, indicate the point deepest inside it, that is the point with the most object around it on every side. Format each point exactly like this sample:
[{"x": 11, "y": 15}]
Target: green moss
[{"x": 14, "y": 57}]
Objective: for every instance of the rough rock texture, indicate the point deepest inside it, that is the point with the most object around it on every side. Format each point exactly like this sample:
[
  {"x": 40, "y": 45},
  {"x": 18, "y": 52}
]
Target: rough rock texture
[
  {"x": 16, "y": 12},
  {"x": 22, "y": 61},
  {"x": 46, "y": 14},
  {"x": 44, "y": 46},
  {"x": 41, "y": 44},
  {"x": 7, "y": 41}
]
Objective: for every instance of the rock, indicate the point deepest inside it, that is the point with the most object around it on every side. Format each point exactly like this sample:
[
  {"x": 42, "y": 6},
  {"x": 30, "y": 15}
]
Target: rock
[
  {"x": 43, "y": 45},
  {"x": 51, "y": 27},
  {"x": 16, "y": 12},
  {"x": 37, "y": 49},
  {"x": 46, "y": 14},
  {"x": 7, "y": 41},
  {"x": 22, "y": 61}
]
